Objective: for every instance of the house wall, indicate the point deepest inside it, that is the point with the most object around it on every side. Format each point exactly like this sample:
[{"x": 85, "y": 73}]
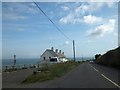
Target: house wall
[
  {"x": 63, "y": 60},
  {"x": 46, "y": 56}
]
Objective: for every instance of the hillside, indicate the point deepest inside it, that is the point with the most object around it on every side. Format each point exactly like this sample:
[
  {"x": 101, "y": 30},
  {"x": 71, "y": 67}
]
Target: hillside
[{"x": 111, "y": 58}]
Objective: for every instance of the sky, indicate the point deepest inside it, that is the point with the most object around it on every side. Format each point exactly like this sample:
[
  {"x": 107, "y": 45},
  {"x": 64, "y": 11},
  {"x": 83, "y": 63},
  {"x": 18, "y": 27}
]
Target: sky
[{"x": 27, "y": 32}]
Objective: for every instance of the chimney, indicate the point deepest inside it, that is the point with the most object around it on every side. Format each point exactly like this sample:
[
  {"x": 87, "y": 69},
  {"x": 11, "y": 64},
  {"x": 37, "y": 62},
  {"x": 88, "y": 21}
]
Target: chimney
[
  {"x": 63, "y": 53},
  {"x": 52, "y": 48},
  {"x": 60, "y": 51},
  {"x": 56, "y": 50}
]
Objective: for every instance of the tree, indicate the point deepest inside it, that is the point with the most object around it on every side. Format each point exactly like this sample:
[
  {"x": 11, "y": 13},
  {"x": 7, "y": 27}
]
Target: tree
[{"x": 97, "y": 56}]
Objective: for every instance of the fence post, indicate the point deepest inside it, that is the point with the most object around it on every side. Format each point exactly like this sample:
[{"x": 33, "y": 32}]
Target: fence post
[
  {"x": 6, "y": 67},
  {"x": 38, "y": 65}
]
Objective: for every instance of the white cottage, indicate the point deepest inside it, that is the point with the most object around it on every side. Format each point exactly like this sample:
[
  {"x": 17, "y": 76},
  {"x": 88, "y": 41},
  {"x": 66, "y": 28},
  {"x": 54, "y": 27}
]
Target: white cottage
[{"x": 51, "y": 55}]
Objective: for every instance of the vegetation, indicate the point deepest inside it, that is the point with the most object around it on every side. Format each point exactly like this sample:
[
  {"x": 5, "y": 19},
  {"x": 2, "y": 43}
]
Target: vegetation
[
  {"x": 0, "y": 70},
  {"x": 10, "y": 70},
  {"x": 14, "y": 68},
  {"x": 49, "y": 72},
  {"x": 111, "y": 58},
  {"x": 97, "y": 56}
]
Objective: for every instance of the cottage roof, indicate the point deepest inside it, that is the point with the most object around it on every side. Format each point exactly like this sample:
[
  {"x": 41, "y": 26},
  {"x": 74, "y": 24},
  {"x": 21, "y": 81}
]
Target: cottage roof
[
  {"x": 54, "y": 53},
  {"x": 60, "y": 55}
]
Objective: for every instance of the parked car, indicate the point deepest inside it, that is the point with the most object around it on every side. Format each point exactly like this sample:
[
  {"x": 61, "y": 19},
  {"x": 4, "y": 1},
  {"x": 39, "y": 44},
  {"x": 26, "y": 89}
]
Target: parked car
[
  {"x": 91, "y": 62},
  {"x": 54, "y": 59}
]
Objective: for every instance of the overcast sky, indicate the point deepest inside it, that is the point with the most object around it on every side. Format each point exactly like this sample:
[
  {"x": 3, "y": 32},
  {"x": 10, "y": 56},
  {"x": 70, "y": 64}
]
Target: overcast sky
[{"x": 27, "y": 32}]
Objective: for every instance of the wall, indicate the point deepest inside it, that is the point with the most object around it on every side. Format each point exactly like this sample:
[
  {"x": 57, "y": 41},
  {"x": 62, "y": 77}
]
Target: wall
[{"x": 46, "y": 55}]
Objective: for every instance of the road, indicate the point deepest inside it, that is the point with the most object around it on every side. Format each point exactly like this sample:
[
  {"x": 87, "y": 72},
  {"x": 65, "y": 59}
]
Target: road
[
  {"x": 14, "y": 79},
  {"x": 0, "y": 80},
  {"x": 84, "y": 76}
]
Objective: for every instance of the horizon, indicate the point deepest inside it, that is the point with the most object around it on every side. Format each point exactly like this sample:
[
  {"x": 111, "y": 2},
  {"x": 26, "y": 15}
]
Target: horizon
[
  {"x": 28, "y": 33},
  {"x": 39, "y": 58}
]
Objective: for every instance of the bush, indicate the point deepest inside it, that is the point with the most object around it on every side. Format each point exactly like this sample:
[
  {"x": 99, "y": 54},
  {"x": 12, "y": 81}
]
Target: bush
[
  {"x": 111, "y": 58},
  {"x": 11, "y": 69},
  {"x": 49, "y": 72}
]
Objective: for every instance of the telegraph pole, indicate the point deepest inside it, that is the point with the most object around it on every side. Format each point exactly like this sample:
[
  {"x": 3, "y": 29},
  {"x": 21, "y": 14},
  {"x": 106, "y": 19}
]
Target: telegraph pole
[
  {"x": 14, "y": 60},
  {"x": 74, "y": 49}
]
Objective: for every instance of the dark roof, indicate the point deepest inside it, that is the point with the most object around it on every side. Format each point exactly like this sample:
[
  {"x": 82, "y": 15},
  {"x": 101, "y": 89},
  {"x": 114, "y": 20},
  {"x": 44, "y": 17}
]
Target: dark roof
[
  {"x": 60, "y": 55},
  {"x": 54, "y": 53}
]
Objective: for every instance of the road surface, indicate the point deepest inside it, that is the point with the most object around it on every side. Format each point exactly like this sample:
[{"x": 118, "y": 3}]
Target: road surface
[{"x": 84, "y": 76}]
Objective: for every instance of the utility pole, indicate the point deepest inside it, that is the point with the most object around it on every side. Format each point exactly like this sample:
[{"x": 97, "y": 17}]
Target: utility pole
[
  {"x": 14, "y": 60},
  {"x": 74, "y": 49}
]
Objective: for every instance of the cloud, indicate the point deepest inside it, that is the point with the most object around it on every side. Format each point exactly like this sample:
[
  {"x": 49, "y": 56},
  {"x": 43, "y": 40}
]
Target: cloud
[
  {"x": 89, "y": 19},
  {"x": 90, "y": 7},
  {"x": 58, "y": 1},
  {"x": 101, "y": 30},
  {"x": 89, "y": 41},
  {"x": 115, "y": 34},
  {"x": 73, "y": 18},
  {"x": 103, "y": 0},
  {"x": 70, "y": 19},
  {"x": 82, "y": 9},
  {"x": 66, "y": 42},
  {"x": 14, "y": 16},
  {"x": 65, "y": 8},
  {"x": 19, "y": 8},
  {"x": 110, "y": 4}
]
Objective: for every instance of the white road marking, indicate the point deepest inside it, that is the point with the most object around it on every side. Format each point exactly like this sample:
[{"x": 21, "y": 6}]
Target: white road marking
[
  {"x": 91, "y": 66},
  {"x": 110, "y": 81},
  {"x": 106, "y": 77},
  {"x": 95, "y": 69}
]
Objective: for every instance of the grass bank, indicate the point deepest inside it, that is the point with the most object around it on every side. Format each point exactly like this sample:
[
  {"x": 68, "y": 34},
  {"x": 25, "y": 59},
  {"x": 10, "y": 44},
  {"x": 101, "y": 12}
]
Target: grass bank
[{"x": 49, "y": 72}]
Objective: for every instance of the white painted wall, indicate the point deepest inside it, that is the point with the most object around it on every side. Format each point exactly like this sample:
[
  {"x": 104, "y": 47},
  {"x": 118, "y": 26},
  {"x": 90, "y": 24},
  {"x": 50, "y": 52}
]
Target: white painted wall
[
  {"x": 63, "y": 59},
  {"x": 46, "y": 55}
]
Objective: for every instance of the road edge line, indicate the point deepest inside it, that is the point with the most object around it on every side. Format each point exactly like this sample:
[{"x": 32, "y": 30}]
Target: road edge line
[
  {"x": 110, "y": 80},
  {"x": 94, "y": 68}
]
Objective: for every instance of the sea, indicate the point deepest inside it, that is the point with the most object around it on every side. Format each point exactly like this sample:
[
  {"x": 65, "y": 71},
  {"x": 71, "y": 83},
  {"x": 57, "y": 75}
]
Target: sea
[
  {"x": 34, "y": 61},
  {"x": 20, "y": 62}
]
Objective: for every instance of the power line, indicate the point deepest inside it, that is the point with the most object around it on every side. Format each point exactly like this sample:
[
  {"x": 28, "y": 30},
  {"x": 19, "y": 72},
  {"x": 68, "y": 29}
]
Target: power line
[
  {"x": 51, "y": 21},
  {"x": 57, "y": 28}
]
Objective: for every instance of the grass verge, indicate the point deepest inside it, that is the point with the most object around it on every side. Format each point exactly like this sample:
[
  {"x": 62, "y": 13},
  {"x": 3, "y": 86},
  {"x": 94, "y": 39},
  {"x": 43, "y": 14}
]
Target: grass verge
[{"x": 51, "y": 72}]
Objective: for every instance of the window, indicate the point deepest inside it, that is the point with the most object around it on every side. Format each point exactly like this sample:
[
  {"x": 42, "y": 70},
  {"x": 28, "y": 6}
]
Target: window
[
  {"x": 43, "y": 58},
  {"x": 53, "y": 59}
]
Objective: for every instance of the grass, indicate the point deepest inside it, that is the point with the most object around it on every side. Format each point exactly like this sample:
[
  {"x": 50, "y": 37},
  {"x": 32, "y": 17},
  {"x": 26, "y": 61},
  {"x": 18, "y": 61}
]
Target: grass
[
  {"x": 49, "y": 72},
  {"x": 0, "y": 70},
  {"x": 11, "y": 70}
]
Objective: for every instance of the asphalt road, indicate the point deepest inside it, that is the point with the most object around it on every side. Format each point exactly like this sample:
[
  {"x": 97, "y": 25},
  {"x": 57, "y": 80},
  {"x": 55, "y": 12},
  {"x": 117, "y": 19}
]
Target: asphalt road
[
  {"x": 14, "y": 79},
  {"x": 84, "y": 76},
  {"x": 0, "y": 80}
]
